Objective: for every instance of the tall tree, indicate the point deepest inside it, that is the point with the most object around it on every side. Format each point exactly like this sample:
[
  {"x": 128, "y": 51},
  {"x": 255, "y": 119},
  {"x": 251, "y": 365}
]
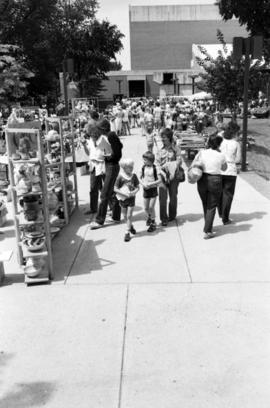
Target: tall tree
[
  {"x": 14, "y": 76},
  {"x": 254, "y": 14},
  {"x": 224, "y": 78},
  {"x": 51, "y": 30}
]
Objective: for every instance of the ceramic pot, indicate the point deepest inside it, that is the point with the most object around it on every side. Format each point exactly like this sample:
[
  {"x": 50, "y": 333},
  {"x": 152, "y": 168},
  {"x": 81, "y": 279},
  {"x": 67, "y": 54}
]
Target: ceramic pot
[{"x": 31, "y": 208}]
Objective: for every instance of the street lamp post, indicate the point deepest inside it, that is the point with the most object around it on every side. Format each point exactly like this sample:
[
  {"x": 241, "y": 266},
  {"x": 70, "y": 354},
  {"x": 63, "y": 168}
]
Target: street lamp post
[
  {"x": 250, "y": 47},
  {"x": 193, "y": 77}
]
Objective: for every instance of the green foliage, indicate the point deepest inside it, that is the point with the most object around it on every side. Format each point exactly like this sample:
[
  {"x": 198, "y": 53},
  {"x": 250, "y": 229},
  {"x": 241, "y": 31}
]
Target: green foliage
[
  {"x": 224, "y": 78},
  {"x": 14, "y": 75},
  {"x": 48, "y": 31},
  {"x": 254, "y": 14}
]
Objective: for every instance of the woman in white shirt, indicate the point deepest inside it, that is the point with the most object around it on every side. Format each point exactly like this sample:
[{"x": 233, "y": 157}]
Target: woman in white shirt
[
  {"x": 232, "y": 151},
  {"x": 212, "y": 161}
]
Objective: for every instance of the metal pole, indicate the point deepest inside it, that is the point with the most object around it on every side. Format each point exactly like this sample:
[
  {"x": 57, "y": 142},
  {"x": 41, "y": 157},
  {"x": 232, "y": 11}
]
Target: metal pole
[
  {"x": 65, "y": 87},
  {"x": 245, "y": 104}
]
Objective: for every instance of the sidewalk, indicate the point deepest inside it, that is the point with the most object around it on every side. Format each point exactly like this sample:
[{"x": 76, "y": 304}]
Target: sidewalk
[{"x": 166, "y": 320}]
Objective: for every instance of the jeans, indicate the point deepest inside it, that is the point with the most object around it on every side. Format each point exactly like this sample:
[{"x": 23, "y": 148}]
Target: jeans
[
  {"x": 210, "y": 190},
  {"x": 225, "y": 203},
  {"x": 107, "y": 195},
  {"x": 96, "y": 183},
  {"x": 164, "y": 191}
]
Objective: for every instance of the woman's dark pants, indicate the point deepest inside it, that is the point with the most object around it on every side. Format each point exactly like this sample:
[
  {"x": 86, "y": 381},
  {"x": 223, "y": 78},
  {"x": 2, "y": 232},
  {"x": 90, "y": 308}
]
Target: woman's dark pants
[
  {"x": 106, "y": 195},
  {"x": 210, "y": 190},
  {"x": 164, "y": 191},
  {"x": 225, "y": 203}
]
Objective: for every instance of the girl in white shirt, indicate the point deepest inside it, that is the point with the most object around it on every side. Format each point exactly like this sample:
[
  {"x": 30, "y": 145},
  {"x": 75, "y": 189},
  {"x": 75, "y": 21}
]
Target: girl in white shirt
[{"x": 232, "y": 151}]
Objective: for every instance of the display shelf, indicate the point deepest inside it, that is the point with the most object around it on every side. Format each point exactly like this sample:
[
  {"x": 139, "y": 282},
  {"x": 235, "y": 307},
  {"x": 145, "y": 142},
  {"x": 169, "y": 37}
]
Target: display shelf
[
  {"x": 25, "y": 138},
  {"x": 23, "y": 161},
  {"x": 65, "y": 153},
  {"x": 43, "y": 277},
  {"x": 24, "y": 223},
  {"x": 34, "y": 254},
  {"x": 30, "y": 193}
]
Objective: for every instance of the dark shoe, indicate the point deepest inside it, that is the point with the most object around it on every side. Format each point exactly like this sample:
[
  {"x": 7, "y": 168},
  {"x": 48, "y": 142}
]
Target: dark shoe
[
  {"x": 164, "y": 223},
  {"x": 152, "y": 227},
  {"x": 95, "y": 225},
  {"x": 89, "y": 212},
  {"x": 132, "y": 230},
  {"x": 171, "y": 219},
  {"x": 127, "y": 237},
  {"x": 148, "y": 222},
  {"x": 227, "y": 222}
]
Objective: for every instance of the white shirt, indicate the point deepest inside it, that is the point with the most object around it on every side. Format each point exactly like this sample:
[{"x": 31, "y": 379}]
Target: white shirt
[
  {"x": 211, "y": 161},
  {"x": 96, "y": 157},
  {"x": 232, "y": 151}
]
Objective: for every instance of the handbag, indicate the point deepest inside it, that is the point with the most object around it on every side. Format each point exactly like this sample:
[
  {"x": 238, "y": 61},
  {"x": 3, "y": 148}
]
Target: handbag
[
  {"x": 179, "y": 174},
  {"x": 195, "y": 171},
  {"x": 194, "y": 174}
]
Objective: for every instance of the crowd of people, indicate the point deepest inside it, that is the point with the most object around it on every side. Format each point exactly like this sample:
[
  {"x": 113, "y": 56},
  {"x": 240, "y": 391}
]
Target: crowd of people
[{"x": 114, "y": 184}]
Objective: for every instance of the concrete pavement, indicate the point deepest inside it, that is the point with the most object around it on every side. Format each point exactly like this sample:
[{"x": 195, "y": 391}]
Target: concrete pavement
[{"x": 165, "y": 320}]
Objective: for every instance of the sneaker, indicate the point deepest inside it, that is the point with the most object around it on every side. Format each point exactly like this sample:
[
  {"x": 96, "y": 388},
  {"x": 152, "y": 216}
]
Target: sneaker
[
  {"x": 89, "y": 212},
  {"x": 95, "y": 225},
  {"x": 227, "y": 222},
  {"x": 127, "y": 237},
  {"x": 152, "y": 227},
  {"x": 113, "y": 220},
  {"x": 209, "y": 235},
  {"x": 132, "y": 230},
  {"x": 148, "y": 222}
]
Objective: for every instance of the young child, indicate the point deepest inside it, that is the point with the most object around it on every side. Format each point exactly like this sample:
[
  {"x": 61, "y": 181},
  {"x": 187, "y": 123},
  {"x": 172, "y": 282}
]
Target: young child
[
  {"x": 126, "y": 188},
  {"x": 150, "y": 136},
  {"x": 149, "y": 180}
]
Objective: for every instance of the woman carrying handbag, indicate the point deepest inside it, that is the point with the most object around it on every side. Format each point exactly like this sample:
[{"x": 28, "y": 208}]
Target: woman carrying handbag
[{"x": 212, "y": 162}]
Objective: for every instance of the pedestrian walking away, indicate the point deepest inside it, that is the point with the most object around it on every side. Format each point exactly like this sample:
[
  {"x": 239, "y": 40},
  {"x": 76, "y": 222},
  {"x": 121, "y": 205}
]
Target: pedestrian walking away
[
  {"x": 212, "y": 162},
  {"x": 230, "y": 147}
]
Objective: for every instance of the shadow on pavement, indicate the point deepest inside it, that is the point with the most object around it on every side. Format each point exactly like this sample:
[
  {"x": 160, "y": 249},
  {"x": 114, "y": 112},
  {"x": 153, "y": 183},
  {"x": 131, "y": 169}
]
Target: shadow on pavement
[
  {"x": 29, "y": 395},
  {"x": 240, "y": 217}
]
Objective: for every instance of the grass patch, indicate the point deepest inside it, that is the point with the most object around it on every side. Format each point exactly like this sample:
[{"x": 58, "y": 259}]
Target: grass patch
[{"x": 258, "y": 155}]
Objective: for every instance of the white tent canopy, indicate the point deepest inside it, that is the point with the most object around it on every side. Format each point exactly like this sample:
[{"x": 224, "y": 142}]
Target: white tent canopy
[{"x": 199, "y": 96}]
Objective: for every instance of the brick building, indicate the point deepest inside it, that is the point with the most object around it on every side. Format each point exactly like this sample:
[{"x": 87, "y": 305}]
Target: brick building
[{"x": 162, "y": 44}]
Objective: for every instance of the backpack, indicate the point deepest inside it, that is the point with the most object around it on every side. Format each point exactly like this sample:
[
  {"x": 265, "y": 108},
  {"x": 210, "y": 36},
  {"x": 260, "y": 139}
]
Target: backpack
[{"x": 155, "y": 171}]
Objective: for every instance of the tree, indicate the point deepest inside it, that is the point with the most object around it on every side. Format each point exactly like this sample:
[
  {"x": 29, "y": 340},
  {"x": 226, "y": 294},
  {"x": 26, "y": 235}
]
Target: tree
[
  {"x": 14, "y": 76},
  {"x": 51, "y": 30},
  {"x": 224, "y": 78},
  {"x": 255, "y": 14}
]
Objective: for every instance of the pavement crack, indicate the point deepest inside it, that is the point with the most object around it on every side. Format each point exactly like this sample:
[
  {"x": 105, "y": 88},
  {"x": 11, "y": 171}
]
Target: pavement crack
[
  {"x": 184, "y": 252},
  {"x": 123, "y": 351}
]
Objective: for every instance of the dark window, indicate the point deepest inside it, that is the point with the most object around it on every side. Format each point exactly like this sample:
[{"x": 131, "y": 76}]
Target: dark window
[{"x": 168, "y": 78}]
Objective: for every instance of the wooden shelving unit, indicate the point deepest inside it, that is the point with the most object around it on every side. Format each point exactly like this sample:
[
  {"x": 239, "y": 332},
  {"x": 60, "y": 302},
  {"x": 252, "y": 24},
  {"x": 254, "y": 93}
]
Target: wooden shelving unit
[
  {"x": 63, "y": 160},
  {"x": 31, "y": 135}
]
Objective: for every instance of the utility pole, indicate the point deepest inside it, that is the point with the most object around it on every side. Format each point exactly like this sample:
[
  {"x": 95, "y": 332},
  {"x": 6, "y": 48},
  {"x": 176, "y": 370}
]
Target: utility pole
[{"x": 250, "y": 47}]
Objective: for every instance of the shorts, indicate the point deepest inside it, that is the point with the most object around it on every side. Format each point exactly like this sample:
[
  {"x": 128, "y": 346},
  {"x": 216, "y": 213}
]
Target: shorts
[
  {"x": 128, "y": 202},
  {"x": 150, "y": 192}
]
